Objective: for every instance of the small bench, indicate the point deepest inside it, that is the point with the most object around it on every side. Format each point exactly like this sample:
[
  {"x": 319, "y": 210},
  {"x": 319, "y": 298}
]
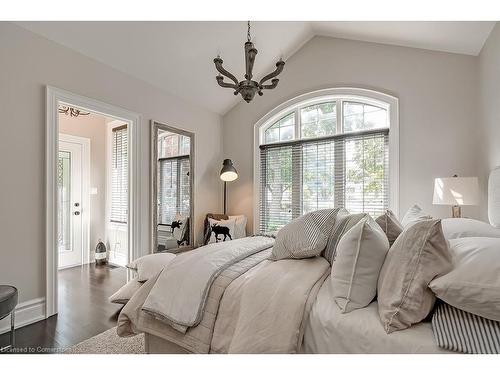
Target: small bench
[{"x": 8, "y": 303}]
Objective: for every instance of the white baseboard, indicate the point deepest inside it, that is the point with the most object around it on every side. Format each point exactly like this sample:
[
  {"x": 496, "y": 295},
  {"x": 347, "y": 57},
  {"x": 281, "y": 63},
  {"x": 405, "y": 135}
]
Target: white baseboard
[{"x": 27, "y": 312}]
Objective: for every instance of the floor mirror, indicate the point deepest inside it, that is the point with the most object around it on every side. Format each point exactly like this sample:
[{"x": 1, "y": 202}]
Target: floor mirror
[{"x": 172, "y": 166}]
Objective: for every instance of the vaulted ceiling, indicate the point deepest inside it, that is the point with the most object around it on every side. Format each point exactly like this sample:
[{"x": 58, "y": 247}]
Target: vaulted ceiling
[{"x": 177, "y": 57}]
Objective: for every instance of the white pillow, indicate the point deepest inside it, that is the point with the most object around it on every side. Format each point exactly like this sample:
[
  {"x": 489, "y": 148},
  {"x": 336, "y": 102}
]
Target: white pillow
[
  {"x": 221, "y": 230},
  {"x": 473, "y": 285},
  {"x": 462, "y": 227},
  {"x": 150, "y": 265},
  {"x": 414, "y": 213},
  {"x": 360, "y": 255},
  {"x": 125, "y": 293},
  {"x": 240, "y": 226}
]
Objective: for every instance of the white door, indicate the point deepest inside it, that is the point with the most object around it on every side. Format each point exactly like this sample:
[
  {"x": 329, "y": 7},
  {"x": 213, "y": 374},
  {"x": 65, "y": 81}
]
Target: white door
[{"x": 70, "y": 192}]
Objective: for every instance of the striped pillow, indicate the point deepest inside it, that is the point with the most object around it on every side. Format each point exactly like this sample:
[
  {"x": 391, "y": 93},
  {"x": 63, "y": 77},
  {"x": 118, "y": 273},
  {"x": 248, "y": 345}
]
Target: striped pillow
[
  {"x": 343, "y": 223},
  {"x": 305, "y": 236},
  {"x": 464, "y": 332}
]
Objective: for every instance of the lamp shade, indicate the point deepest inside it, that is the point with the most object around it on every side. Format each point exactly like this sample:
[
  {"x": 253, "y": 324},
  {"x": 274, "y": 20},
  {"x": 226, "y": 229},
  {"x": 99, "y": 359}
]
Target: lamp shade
[
  {"x": 456, "y": 191},
  {"x": 228, "y": 171}
]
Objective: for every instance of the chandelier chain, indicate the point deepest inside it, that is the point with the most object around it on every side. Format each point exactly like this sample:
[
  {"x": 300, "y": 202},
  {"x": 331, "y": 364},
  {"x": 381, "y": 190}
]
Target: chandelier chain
[{"x": 248, "y": 32}]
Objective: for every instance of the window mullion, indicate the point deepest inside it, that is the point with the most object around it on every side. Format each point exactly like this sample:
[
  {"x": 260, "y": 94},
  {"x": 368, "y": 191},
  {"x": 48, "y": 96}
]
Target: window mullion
[
  {"x": 339, "y": 173},
  {"x": 340, "y": 124},
  {"x": 296, "y": 181},
  {"x": 339, "y": 160},
  {"x": 178, "y": 186},
  {"x": 297, "y": 134},
  {"x": 297, "y": 170}
]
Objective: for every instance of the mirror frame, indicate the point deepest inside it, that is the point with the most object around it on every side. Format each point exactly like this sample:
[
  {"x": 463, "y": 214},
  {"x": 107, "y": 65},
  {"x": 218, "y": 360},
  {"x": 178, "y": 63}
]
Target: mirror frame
[{"x": 155, "y": 126}]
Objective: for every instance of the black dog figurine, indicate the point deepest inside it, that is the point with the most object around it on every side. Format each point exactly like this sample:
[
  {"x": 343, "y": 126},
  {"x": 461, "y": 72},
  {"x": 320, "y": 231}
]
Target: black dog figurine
[
  {"x": 175, "y": 224},
  {"x": 217, "y": 229}
]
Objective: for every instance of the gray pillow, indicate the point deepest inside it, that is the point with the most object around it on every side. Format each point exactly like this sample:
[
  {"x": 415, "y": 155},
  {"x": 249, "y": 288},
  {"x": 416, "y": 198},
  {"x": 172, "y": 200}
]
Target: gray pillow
[
  {"x": 360, "y": 255},
  {"x": 343, "y": 223},
  {"x": 305, "y": 236},
  {"x": 419, "y": 255},
  {"x": 390, "y": 225}
]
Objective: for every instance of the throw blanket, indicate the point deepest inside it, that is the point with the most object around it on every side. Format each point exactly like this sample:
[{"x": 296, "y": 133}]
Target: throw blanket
[
  {"x": 252, "y": 306},
  {"x": 464, "y": 332},
  {"x": 265, "y": 310},
  {"x": 197, "y": 339},
  {"x": 179, "y": 299}
]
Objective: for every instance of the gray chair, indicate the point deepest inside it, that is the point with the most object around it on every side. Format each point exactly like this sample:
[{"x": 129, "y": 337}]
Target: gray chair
[{"x": 8, "y": 302}]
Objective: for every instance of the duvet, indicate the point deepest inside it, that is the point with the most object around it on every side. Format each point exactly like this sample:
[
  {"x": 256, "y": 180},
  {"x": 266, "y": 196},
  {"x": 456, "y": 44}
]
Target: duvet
[{"x": 228, "y": 298}]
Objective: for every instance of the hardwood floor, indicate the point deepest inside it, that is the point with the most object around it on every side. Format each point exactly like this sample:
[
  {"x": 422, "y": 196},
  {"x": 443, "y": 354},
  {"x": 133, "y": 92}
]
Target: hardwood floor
[{"x": 84, "y": 310}]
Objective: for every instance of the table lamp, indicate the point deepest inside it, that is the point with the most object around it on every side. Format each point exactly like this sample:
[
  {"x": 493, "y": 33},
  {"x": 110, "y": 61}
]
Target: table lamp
[
  {"x": 456, "y": 192},
  {"x": 227, "y": 173}
]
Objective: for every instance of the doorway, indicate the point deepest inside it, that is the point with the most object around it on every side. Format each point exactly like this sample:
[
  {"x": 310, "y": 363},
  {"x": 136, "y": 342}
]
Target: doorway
[
  {"x": 70, "y": 190},
  {"x": 92, "y": 204}
]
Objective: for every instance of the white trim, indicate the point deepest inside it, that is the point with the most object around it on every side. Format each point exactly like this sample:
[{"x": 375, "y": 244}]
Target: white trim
[
  {"x": 54, "y": 96},
  {"x": 389, "y": 102},
  {"x": 27, "y": 312},
  {"x": 85, "y": 204}
]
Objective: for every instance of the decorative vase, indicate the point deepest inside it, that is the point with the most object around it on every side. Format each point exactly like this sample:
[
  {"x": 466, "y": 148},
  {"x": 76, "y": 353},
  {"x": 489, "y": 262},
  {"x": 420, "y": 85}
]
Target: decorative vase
[{"x": 101, "y": 254}]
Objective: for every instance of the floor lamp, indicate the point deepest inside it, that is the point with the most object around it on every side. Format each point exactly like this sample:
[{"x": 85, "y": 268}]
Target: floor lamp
[{"x": 227, "y": 173}]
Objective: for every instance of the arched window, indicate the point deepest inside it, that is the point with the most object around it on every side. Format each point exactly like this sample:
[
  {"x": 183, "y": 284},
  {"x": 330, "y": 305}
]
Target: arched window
[{"x": 332, "y": 148}]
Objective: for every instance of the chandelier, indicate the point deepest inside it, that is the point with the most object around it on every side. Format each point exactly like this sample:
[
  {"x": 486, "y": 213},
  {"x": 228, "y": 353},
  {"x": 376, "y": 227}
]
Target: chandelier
[
  {"x": 71, "y": 111},
  {"x": 247, "y": 88}
]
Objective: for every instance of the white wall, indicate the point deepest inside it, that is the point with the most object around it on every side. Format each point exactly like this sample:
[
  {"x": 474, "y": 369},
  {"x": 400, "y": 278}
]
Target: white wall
[
  {"x": 92, "y": 127},
  {"x": 438, "y": 108},
  {"x": 488, "y": 147},
  {"x": 29, "y": 62}
]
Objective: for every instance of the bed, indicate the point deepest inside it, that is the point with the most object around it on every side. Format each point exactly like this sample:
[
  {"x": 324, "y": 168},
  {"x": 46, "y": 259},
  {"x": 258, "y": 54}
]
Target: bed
[
  {"x": 324, "y": 329},
  {"x": 255, "y": 305},
  {"x": 312, "y": 319}
]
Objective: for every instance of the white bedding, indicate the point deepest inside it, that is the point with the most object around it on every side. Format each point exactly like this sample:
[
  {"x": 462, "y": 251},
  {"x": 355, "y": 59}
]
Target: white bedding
[{"x": 329, "y": 331}]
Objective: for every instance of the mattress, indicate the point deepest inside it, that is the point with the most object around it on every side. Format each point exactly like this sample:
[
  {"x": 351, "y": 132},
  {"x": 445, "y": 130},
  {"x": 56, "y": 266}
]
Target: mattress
[{"x": 329, "y": 331}]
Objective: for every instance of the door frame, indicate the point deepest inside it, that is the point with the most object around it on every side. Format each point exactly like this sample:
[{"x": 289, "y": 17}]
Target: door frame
[
  {"x": 85, "y": 200},
  {"x": 54, "y": 97}
]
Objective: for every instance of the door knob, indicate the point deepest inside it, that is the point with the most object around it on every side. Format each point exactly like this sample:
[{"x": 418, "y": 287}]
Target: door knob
[{"x": 77, "y": 213}]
